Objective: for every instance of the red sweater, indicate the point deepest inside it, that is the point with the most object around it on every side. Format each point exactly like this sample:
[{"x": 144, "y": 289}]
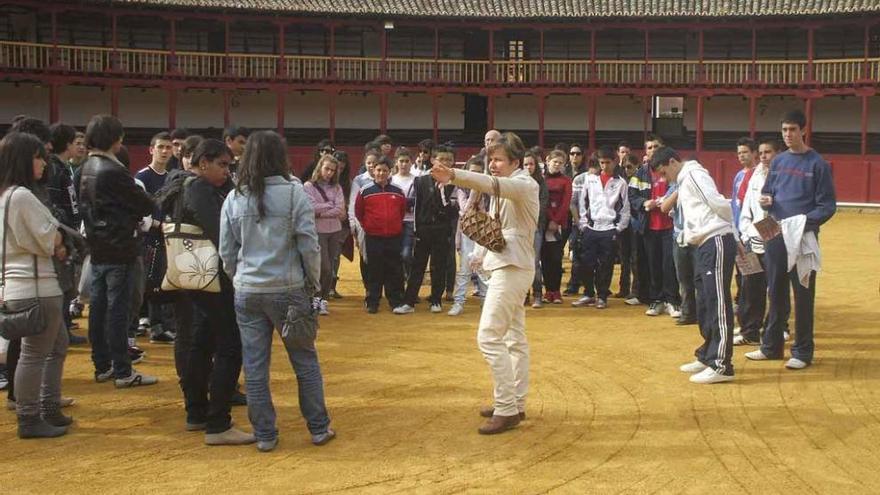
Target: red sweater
[{"x": 559, "y": 189}]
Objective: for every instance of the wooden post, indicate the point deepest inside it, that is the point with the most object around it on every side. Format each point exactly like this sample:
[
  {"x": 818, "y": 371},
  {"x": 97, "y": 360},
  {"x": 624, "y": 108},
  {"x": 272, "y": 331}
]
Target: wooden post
[
  {"x": 383, "y": 64},
  {"x": 114, "y": 100},
  {"x": 754, "y": 68},
  {"x": 331, "y": 108},
  {"x": 699, "y": 124},
  {"x": 591, "y": 121},
  {"x": 646, "y": 115},
  {"x": 541, "y": 104},
  {"x": 114, "y": 41},
  {"x": 172, "y": 107},
  {"x": 436, "y": 56},
  {"x": 226, "y": 64},
  {"x": 383, "y": 112},
  {"x": 808, "y": 110},
  {"x": 753, "y": 104},
  {"x": 701, "y": 69},
  {"x": 279, "y": 110},
  {"x": 542, "y": 75},
  {"x": 646, "y": 72},
  {"x": 54, "y": 21},
  {"x": 281, "y": 68},
  {"x": 594, "y": 74},
  {"x": 865, "y": 66},
  {"x": 810, "y": 54},
  {"x": 864, "y": 129},
  {"x": 227, "y": 96},
  {"x": 490, "y": 111},
  {"x": 54, "y": 113},
  {"x": 172, "y": 42},
  {"x": 435, "y": 110}
]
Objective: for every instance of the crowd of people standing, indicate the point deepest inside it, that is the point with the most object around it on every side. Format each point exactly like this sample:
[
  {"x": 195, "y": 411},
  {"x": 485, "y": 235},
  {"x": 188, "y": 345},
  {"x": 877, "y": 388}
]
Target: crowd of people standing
[{"x": 278, "y": 241}]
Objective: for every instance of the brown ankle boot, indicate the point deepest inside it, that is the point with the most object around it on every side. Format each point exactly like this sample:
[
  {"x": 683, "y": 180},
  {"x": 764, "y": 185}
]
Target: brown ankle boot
[
  {"x": 498, "y": 424},
  {"x": 488, "y": 412}
]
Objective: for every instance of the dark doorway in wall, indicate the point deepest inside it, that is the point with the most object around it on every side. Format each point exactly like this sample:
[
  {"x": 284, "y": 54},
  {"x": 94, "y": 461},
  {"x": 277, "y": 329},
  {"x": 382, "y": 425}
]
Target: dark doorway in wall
[{"x": 476, "y": 117}]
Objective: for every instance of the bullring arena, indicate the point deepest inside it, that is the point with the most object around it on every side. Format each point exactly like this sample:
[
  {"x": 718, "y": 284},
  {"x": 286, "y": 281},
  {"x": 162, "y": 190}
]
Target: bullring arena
[{"x": 608, "y": 412}]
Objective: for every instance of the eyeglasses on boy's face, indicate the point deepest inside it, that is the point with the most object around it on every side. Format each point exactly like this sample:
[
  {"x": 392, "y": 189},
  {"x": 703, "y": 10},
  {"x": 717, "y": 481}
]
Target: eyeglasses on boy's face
[{"x": 575, "y": 153}]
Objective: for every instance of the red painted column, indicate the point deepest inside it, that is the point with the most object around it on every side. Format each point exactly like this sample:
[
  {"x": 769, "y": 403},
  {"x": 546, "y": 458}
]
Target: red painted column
[
  {"x": 754, "y": 68},
  {"x": 331, "y": 108},
  {"x": 490, "y": 111},
  {"x": 54, "y": 112},
  {"x": 436, "y": 54},
  {"x": 383, "y": 64},
  {"x": 646, "y": 72},
  {"x": 227, "y": 96},
  {"x": 864, "y": 148},
  {"x": 54, "y": 20},
  {"x": 114, "y": 41},
  {"x": 865, "y": 65},
  {"x": 279, "y": 110},
  {"x": 699, "y": 124},
  {"x": 383, "y": 112},
  {"x": 491, "y": 75},
  {"x": 810, "y": 54},
  {"x": 808, "y": 110},
  {"x": 753, "y": 106},
  {"x": 701, "y": 71},
  {"x": 646, "y": 115},
  {"x": 435, "y": 110},
  {"x": 542, "y": 75},
  {"x": 542, "y": 100},
  {"x": 594, "y": 74},
  {"x": 281, "y": 69},
  {"x": 172, "y": 107},
  {"x": 114, "y": 100},
  {"x": 591, "y": 109},
  {"x": 172, "y": 57},
  {"x": 226, "y": 65}
]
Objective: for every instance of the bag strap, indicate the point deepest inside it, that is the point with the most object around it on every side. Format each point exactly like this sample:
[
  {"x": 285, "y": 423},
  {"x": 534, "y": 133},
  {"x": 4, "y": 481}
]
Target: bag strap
[
  {"x": 320, "y": 191},
  {"x": 496, "y": 188}
]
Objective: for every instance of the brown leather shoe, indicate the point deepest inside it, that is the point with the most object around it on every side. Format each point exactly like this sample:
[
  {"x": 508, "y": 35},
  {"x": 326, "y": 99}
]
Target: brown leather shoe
[
  {"x": 488, "y": 412},
  {"x": 499, "y": 424}
]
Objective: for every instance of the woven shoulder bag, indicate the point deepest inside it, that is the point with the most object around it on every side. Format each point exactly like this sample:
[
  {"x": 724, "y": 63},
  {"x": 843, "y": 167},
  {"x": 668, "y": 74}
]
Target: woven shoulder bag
[{"x": 481, "y": 227}]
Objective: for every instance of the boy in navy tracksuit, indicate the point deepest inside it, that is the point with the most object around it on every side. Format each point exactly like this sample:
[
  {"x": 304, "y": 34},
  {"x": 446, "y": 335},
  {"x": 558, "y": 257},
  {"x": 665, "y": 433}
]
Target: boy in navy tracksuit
[
  {"x": 380, "y": 208},
  {"x": 708, "y": 227},
  {"x": 799, "y": 183}
]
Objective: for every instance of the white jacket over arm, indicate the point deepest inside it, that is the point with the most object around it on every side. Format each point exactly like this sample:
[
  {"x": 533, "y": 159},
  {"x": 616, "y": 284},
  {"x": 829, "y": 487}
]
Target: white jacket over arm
[{"x": 518, "y": 210}]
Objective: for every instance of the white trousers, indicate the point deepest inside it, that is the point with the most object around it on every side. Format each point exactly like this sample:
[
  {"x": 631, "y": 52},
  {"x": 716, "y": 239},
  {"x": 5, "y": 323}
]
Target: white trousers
[{"x": 502, "y": 337}]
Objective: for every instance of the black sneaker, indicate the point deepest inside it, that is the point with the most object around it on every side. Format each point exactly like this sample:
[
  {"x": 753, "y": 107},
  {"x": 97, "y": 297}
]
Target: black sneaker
[
  {"x": 162, "y": 338},
  {"x": 372, "y": 310},
  {"x": 77, "y": 340},
  {"x": 136, "y": 354}
]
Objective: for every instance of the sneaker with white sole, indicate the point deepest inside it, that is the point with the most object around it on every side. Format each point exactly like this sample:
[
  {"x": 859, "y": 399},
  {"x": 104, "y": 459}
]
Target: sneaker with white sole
[
  {"x": 632, "y": 301},
  {"x": 136, "y": 379},
  {"x": 786, "y": 336},
  {"x": 796, "y": 364},
  {"x": 673, "y": 311},
  {"x": 232, "y": 436},
  {"x": 756, "y": 356},
  {"x": 584, "y": 302},
  {"x": 456, "y": 310},
  {"x": 601, "y": 303},
  {"x": 538, "y": 304},
  {"x": 103, "y": 376},
  {"x": 740, "y": 340},
  {"x": 709, "y": 375},
  {"x": 323, "y": 308},
  {"x": 655, "y": 309},
  {"x": 692, "y": 367},
  {"x": 403, "y": 309},
  {"x": 436, "y": 308}
]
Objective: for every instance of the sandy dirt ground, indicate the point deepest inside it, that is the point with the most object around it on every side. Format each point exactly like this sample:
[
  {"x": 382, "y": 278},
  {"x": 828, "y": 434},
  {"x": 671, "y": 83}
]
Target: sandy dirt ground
[{"x": 608, "y": 411}]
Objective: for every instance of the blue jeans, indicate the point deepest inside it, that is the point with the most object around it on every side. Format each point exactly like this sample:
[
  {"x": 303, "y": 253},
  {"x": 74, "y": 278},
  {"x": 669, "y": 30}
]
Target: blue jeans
[
  {"x": 258, "y": 316},
  {"x": 109, "y": 317}
]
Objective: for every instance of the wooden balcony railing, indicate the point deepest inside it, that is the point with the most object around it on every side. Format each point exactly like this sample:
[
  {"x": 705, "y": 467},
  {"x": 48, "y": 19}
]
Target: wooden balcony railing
[{"x": 36, "y": 57}]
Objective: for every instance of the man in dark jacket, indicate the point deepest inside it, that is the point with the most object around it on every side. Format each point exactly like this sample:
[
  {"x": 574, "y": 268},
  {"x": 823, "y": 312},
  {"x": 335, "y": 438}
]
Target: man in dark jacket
[
  {"x": 433, "y": 229},
  {"x": 111, "y": 206}
]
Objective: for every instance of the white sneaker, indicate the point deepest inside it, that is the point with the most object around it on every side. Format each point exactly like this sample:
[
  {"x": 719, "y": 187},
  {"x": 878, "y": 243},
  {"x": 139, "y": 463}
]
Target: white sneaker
[
  {"x": 673, "y": 311},
  {"x": 740, "y": 340},
  {"x": 709, "y": 375},
  {"x": 632, "y": 301},
  {"x": 436, "y": 308},
  {"x": 796, "y": 364},
  {"x": 737, "y": 330},
  {"x": 456, "y": 310},
  {"x": 655, "y": 309},
  {"x": 584, "y": 302},
  {"x": 322, "y": 308},
  {"x": 694, "y": 367},
  {"x": 786, "y": 336},
  {"x": 403, "y": 309},
  {"x": 756, "y": 356}
]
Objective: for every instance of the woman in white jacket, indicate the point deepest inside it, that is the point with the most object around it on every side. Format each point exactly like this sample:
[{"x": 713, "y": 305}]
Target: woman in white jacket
[{"x": 501, "y": 335}]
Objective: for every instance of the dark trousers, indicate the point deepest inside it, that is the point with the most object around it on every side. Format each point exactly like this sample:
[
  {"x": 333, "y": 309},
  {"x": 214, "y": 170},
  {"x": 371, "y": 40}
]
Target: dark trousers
[
  {"x": 715, "y": 258},
  {"x": 685, "y": 263},
  {"x": 551, "y": 265},
  {"x": 779, "y": 280},
  {"x": 184, "y": 311},
  {"x": 641, "y": 284},
  {"x": 658, "y": 250},
  {"x": 384, "y": 270},
  {"x": 752, "y": 304},
  {"x": 574, "y": 247},
  {"x": 12, "y": 355},
  {"x": 214, "y": 360},
  {"x": 433, "y": 244},
  {"x": 625, "y": 254},
  {"x": 597, "y": 260},
  {"x": 109, "y": 315}
]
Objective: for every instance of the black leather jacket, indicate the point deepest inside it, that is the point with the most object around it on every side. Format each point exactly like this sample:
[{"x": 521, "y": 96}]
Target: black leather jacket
[{"x": 111, "y": 206}]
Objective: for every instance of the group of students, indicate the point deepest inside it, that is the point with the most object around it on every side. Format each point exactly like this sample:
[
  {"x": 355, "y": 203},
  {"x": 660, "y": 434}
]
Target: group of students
[
  {"x": 239, "y": 193},
  {"x": 280, "y": 241}
]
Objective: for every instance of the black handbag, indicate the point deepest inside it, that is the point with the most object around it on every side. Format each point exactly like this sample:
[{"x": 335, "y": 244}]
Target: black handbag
[
  {"x": 29, "y": 319},
  {"x": 300, "y": 327}
]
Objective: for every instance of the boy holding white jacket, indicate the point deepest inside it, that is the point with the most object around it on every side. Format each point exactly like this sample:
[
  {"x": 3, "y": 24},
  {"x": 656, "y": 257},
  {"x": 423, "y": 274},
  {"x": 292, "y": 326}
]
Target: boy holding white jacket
[{"x": 708, "y": 226}]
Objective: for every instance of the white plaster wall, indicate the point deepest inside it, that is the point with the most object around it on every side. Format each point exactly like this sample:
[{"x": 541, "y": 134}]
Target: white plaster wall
[
  {"x": 723, "y": 113},
  {"x": 144, "y": 107},
  {"x": 770, "y": 109},
  {"x": 414, "y": 111},
  {"x": 199, "y": 108},
  {"x": 309, "y": 110},
  {"x": 516, "y": 112},
  {"x": 355, "y": 111},
  {"x": 25, "y": 99},
  {"x": 77, "y": 104},
  {"x": 836, "y": 114},
  {"x": 874, "y": 114},
  {"x": 566, "y": 113},
  {"x": 619, "y": 113},
  {"x": 253, "y": 109}
]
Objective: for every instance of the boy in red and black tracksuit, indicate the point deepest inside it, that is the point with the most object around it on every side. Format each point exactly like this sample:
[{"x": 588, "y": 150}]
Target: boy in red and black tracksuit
[{"x": 380, "y": 208}]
